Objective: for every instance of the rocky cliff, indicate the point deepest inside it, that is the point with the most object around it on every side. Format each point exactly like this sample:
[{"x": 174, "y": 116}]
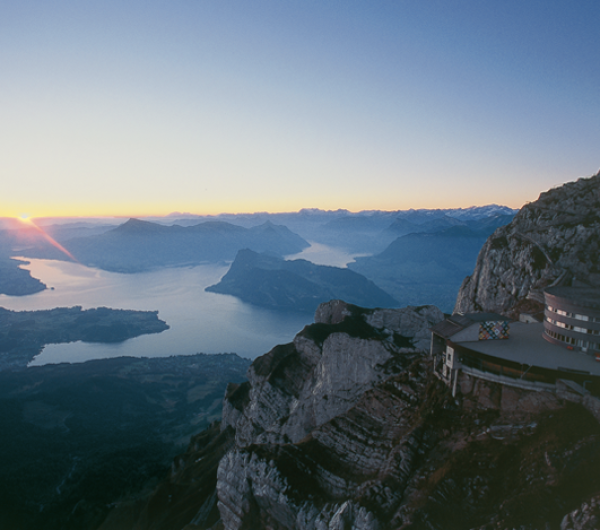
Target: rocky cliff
[
  {"x": 347, "y": 428},
  {"x": 552, "y": 241}
]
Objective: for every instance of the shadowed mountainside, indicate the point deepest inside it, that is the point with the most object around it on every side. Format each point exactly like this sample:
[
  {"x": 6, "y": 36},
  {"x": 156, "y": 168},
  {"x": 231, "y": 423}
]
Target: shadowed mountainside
[
  {"x": 347, "y": 428},
  {"x": 297, "y": 285},
  {"x": 15, "y": 281},
  {"x": 426, "y": 267},
  {"x": 76, "y": 438}
]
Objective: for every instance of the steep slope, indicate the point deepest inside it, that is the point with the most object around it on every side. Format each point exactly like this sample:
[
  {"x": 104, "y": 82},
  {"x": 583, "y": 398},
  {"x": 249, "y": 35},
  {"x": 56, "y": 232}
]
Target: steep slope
[
  {"x": 347, "y": 428},
  {"x": 296, "y": 285},
  {"x": 552, "y": 241}
]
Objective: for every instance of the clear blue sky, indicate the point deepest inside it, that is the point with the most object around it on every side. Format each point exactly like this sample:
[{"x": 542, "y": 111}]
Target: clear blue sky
[{"x": 147, "y": 107}]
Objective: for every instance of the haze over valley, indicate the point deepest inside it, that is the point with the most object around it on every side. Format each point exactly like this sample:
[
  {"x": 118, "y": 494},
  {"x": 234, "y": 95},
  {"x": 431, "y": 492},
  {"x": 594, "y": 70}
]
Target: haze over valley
[{"x": 299, "y": 265}]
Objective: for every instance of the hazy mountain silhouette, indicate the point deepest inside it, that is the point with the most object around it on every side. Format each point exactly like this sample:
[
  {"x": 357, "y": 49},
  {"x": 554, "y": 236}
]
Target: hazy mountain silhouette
[
  {"x": 423, "y": 267},
  {"x": 369, "y": 231},
  {"x": 141, "y": 245},
  {"x": 298, "y": 285}
]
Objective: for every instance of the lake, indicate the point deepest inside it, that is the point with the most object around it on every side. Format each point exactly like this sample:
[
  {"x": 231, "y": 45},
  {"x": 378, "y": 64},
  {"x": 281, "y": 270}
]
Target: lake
[{"x": 200, "y": 322}]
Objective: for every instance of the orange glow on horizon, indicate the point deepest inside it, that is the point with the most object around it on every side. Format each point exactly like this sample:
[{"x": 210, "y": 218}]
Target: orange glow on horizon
[
  {"x": 240, "y": 207},
  {"x": 28, "y": 221}
]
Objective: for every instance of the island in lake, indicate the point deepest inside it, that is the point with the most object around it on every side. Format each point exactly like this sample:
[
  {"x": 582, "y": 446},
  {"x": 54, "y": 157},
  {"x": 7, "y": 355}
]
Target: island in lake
[{"x": 23, "y": 334}]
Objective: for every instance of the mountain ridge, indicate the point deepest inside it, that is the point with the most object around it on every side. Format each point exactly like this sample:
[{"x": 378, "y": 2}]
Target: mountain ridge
[
  {"x": 139, "y": 245},
  {"x": 298, "y": 285},
  {"x": 554, "y": 240},
  {"x": 347, "y": 427}
]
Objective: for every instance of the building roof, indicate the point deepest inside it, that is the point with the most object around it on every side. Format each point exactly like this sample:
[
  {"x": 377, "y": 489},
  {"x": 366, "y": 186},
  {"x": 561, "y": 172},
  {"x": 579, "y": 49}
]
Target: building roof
[
  {"x": 457, "y": 322},
  {"x": 584, "y": 296},
  {"x": 486, "y": 317},
  {"x": 447, "y": 328},
  {"x": 527, "y": 346}
]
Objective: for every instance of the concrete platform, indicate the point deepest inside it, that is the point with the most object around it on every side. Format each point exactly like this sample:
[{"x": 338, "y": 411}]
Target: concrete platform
[{"x": 527, "y": 346}]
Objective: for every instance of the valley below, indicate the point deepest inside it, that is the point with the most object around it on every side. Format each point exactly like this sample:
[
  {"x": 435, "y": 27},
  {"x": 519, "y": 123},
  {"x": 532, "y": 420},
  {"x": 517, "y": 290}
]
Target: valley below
[
  {"x": 343, "y": 424},
  {"x": 76, "y": 438}
]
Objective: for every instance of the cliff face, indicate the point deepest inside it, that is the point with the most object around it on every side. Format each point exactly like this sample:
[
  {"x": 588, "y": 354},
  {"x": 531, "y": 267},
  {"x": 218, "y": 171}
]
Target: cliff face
[
  {"x": 347, "y": 428},
  {"x": 324, "y": 419},
  {"x": 552, "y": 241},
  {"x": 299, "y": 386},
  {"x": 401, "y": 453}
]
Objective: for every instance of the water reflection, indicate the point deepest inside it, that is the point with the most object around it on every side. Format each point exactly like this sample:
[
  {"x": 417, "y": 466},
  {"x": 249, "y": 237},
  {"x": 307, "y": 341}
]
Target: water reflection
[
  {"x": 200, "y": 321},
  {"x": 325, "y": 255}
]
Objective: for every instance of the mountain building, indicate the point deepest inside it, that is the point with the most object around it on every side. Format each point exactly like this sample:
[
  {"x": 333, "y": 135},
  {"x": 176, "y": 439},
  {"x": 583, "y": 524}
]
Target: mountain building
[
  {"x": 526, "y": 354},
  {"x": 572, "y": 318}
]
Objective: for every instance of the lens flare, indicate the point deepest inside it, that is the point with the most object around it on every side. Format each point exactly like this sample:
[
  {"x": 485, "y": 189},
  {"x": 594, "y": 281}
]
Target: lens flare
[{"x": 28, "y": 221}]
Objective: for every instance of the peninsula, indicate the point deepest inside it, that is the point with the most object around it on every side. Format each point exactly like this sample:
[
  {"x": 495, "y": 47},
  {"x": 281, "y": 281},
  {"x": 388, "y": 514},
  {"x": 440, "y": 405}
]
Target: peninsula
[{"x": 23, "y": 334}]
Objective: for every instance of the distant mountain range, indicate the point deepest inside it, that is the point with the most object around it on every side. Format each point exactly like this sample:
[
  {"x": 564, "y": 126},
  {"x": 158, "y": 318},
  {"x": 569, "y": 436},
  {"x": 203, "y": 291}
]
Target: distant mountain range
[
  {"x": 368, "y": 231},
  {"x": 428, "y": 266},
  {"x": 298, "y": 285},
  {"x": 414, "y": 255},
  {"x": 141, "y": 245}
]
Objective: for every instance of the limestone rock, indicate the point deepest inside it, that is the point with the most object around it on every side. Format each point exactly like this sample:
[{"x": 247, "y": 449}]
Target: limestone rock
[
  {"x": 332, "y": 312},
  {"x": 330, "y": 401},
  {"x": 348, "y": 428},
  {"x": 552, "y": 241},
  {"x": 586, "y": 517},
  {"x": 299, "y": 386}
]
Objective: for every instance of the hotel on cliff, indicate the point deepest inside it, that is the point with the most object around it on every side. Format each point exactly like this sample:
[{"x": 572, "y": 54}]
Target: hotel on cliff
[{"x": 562, "y": 349}]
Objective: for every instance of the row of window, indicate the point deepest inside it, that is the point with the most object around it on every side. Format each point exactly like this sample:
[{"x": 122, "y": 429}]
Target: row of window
[
  {"x": 577, "y": 316},
  {"x": 560, "y": 324},
  {"x": 580, "y": 343}
]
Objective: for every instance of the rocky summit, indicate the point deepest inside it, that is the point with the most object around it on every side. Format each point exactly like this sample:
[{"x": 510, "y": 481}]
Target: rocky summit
[
  {"x": 552, "y": 241},
  {"x": 347, "y": 427}
]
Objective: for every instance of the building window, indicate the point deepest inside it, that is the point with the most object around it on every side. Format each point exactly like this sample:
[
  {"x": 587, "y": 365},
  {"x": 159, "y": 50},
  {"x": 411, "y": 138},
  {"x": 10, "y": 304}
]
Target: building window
[{"x": 568, "y": 314}]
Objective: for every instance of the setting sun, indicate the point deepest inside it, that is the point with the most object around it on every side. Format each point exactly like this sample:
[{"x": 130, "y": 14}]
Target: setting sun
[{"x": 26, "y": 219}]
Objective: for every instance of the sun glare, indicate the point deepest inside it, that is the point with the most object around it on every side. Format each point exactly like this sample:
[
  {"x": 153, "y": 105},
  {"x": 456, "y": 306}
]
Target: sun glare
[{"x": 27, "y": 220}]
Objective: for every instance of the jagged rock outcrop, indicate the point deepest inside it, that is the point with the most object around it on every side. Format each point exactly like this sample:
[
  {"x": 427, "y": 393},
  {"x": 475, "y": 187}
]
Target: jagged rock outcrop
[
  {"x": 387, "y": 447},
  {"x": 320, "y": 418},
  {"x": 552, "y": 241},
  {"x": 347, "y": 428},
  {"x": 296, "y": 387},
  {"x": 586, "y": 517}
]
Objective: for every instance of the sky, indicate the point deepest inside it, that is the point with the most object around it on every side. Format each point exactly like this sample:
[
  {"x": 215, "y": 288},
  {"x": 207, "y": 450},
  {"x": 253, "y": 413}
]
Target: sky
[{"x": 138, "y": 108}]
